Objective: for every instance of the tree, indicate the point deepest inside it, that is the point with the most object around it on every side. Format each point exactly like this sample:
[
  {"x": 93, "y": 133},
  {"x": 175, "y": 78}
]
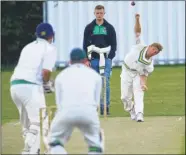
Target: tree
[{"x": 18, "y": 22}]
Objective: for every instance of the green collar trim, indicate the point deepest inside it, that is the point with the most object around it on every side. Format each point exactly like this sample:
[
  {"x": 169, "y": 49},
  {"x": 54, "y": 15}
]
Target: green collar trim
[{"x": 142, "y": 56}]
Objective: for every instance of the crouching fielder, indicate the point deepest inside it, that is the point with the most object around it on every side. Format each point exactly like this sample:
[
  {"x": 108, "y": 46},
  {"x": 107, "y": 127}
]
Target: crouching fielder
[
  {"x": 78, "y": 91},
  {"x": 34, "y": 67},
  {"x": 138, "y": 64}
]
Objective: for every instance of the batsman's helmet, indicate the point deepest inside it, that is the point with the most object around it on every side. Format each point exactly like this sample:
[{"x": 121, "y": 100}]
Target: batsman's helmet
[{"x": 44, "y": 30}]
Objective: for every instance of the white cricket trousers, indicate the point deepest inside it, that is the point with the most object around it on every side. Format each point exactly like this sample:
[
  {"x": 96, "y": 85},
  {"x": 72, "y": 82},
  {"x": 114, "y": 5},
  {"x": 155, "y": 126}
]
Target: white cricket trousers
[
  {"x": 86, "y": 119},
  {"x": 29, "y": 98},
  {"x": 131, "y": 90}
]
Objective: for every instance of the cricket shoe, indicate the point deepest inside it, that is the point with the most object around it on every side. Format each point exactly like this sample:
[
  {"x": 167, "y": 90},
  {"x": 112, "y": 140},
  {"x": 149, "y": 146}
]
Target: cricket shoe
[
  {"x": 101, "y": 110},
  {"x": 132, "y": 114},
  {"x": 108, "y": 111},
  {"x": 26, "y": 150},
  {"x": 139, "y": 117}
]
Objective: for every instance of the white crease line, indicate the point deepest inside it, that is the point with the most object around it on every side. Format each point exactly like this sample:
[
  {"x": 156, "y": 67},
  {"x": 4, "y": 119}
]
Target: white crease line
[{"x": 13, "y": 123}]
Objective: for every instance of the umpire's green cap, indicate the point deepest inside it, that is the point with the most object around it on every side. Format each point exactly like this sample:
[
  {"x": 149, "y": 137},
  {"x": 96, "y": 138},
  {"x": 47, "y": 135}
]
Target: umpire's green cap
[{"x": 77, "y": 54}]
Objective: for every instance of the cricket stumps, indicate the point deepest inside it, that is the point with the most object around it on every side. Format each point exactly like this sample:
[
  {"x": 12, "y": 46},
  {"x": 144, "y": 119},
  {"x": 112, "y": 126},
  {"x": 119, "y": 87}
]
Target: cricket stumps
[{"x": 46, "y": 116}]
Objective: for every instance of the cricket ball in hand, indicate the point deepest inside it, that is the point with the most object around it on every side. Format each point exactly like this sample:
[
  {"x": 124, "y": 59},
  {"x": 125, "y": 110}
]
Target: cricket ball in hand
[{"x": 133, "y": 3}]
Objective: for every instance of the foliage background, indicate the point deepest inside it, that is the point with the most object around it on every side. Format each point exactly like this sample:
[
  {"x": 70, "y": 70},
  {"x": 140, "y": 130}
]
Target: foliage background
[{"x": 18, "y": 22}]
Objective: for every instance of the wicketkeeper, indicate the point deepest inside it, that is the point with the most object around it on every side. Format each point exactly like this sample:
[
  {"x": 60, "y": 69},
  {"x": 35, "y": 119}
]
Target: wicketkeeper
[
  {"x": 36, "y": 62},
  {"x": 78, "y": 91}
]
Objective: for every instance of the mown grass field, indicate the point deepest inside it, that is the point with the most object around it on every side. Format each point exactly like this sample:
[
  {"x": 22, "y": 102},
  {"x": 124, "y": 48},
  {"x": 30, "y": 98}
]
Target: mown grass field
[{"x": 165, "y": 97}]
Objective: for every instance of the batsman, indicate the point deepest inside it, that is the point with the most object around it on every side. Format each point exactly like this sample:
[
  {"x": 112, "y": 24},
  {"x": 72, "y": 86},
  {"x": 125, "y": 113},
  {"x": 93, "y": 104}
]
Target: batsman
[
  {"x": 34, "y": 68},
  {"x": 100, "y": 45}
]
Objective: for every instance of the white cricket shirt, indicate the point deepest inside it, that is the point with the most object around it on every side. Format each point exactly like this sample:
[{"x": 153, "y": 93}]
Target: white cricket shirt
[
  {"x": 78, "y": 86},
  {"x": 34, "y": 57},
  {"x": 135, "y": 60}
]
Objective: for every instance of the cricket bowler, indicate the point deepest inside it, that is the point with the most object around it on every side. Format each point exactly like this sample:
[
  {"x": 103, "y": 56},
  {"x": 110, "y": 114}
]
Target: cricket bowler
[
  {"x": 78, "y": 91},
  {"x": 137, "y": 66},
  {"x": 34, "y": 67}
]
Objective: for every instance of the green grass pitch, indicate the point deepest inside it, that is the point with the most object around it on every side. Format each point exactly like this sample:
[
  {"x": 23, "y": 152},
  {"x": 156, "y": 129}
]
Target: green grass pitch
[{"x": 165, "y": 95}]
